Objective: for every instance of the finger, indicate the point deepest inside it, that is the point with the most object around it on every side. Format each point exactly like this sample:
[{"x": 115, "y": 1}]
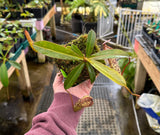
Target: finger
[
  {"x": 88, "y": 84},
  {"x": 58, "y": 79}
]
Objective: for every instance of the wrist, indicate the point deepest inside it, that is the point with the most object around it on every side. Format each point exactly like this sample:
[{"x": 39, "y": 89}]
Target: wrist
[{"x": 62, "y": 107}]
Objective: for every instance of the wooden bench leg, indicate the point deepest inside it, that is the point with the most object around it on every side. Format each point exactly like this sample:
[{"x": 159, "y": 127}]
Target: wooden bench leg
[
  {"x": 53, "y": 27},
  {"x": 140, "y": 77},
  {"x": 39, "y": 37},
  {"x": 26, "y": 74},
  {"x": 24, "y": 80}
]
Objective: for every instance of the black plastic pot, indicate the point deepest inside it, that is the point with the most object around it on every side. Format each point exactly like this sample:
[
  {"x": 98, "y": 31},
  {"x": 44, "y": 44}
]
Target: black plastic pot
[
  {"x": 144, "y": 28},
  {"x": 47, "y": 33},
  {"x": 17, "y": 45},
  {"x": 21, "y": 2},
  {"x": 27, "y": 1},
  {"x": 22, "y": 39},
  {"x": 38, "y": 12},
  {"x": 87, "y": 26},
  {"x": 155, "y": 37},
  {"x": 28, "y": 9},
  {"x": 58, "y": 18},
  {"x": 12, "y": 49},
  {"x": 76, "y": 23},
  {"x": 45, "y": 10},
  {"x": 15, "y": 16},
  {"x": 150, "y": 35},
  {"x": 53, "y": 2}
]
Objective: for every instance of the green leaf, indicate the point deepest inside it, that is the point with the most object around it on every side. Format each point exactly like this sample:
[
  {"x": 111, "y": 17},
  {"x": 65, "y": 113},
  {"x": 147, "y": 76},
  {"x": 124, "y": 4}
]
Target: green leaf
[
  {"x": 55, "y": 51},
  {"x": 63, "y": 73},
  {"x": 76, "y": 50},
  {"x": 73, "y": 76},
  {"x": 4, "y": 75},
  {"x": 112, "y": 53},
  {"x": 20, "y": 35},
  {"x": 91, "y": 72},
  {"x": 108, "y": 72},
  {"x": 90, "y": 42},
  {"x": 15, "y": 64},
  {"x": 122, "y": 63}
]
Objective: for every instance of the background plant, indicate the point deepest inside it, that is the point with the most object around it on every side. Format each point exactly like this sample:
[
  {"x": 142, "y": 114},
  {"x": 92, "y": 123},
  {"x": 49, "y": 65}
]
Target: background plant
[
  {"x": 6, "y": 43},
  {"x": 128, "y": 68},
  {"x": 27, "y": 14},
  {"x": 3, "y": 69},
  {"x": 94, "y": 8}
]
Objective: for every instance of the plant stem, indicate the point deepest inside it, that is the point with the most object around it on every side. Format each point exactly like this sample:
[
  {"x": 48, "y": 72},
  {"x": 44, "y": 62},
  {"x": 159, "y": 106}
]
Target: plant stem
[
  {"x": 125, "y": 66},
  {"x": 71, "y": 99},
  {"x": 131, "y": 92}
]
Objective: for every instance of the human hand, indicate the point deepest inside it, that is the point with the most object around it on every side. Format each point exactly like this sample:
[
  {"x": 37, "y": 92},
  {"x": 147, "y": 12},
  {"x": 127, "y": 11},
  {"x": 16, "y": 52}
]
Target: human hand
[{"x": 81, "y": 90}]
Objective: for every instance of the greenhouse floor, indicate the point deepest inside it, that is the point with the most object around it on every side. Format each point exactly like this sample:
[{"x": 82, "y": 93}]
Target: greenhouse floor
[{"x": 111, "y": 113}]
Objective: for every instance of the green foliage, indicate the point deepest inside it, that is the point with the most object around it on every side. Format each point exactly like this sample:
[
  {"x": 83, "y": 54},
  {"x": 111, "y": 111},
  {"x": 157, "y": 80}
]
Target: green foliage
[
  {"x": 129, "y": 69},
  {"x": 15, "y": 64},
  {"x": 4, "y": 75},
  {"x": 96, "y": 7},
  {"x": 88, "y": 59},
  {"x": 73, "y": 76},
  {"x": 63, "y": 73},
  {"x": 56, "y": 51},
  {"x": 90, "y": 43},
  {"x": 157, "y": 47},
  {"x": 74, "y": 6},
  {"x": 91, "y": 72},
  {"x": 27, "y": 14},
  {"x": 35, "y": 4},
  {"x": 6, "y": 30}
]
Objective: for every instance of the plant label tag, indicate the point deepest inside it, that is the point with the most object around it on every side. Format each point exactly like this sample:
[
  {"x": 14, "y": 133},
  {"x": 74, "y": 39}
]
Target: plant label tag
[{"x": 39, "y": 25}]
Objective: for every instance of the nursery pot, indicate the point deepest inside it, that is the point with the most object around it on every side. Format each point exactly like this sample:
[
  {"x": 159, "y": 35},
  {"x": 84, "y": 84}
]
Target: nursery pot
[
  {"x": 58, "y": 18},
  {"x": 67, "y": 66},
  {"x": 87, "y": 26},
  {"x": 38, "y": 12},
  {"x": 17, "y": 44},
  {"x": 76, "y": 23},
  {"x": 15, "y": 15}
]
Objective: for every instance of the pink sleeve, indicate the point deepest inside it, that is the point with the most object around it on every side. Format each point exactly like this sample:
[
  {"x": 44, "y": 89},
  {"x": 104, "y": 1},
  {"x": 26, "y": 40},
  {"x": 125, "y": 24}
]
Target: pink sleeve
[{"x": 60, "y": 119}]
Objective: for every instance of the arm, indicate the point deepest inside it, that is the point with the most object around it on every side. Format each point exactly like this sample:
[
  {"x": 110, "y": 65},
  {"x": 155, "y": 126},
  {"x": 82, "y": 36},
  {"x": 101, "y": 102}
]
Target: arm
[{"x": 60, "y": 119}]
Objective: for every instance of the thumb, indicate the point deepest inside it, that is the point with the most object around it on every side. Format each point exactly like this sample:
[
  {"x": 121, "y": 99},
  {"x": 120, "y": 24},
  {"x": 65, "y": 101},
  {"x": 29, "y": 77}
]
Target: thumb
[{"x": 58, "y": 80}]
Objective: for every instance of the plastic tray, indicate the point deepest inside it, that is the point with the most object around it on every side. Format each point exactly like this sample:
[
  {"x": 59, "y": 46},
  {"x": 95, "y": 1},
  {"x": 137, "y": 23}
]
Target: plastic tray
[{"x": 25, "y": 43}]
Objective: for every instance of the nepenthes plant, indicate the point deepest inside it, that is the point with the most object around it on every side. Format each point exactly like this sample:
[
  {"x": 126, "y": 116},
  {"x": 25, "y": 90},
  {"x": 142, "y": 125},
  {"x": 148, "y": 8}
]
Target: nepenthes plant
[{"x": 86, "y": 58}]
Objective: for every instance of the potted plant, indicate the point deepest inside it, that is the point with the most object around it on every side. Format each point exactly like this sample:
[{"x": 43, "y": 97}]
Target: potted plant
[
  {"x": 37, "y": 8},
  {"x": 9, "y": 33},
  {"x": 5, "y": 58},
  {"x": 91, "y": 8},
  {"x": 84, "y": 56},
  {"x": 26, "y": 14},
  {"x": 14, "y": 31}
]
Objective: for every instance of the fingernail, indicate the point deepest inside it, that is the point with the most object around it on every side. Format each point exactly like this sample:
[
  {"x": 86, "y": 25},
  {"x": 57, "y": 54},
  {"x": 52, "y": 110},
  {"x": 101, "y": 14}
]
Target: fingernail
[{"x": 59, "y": 74}]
